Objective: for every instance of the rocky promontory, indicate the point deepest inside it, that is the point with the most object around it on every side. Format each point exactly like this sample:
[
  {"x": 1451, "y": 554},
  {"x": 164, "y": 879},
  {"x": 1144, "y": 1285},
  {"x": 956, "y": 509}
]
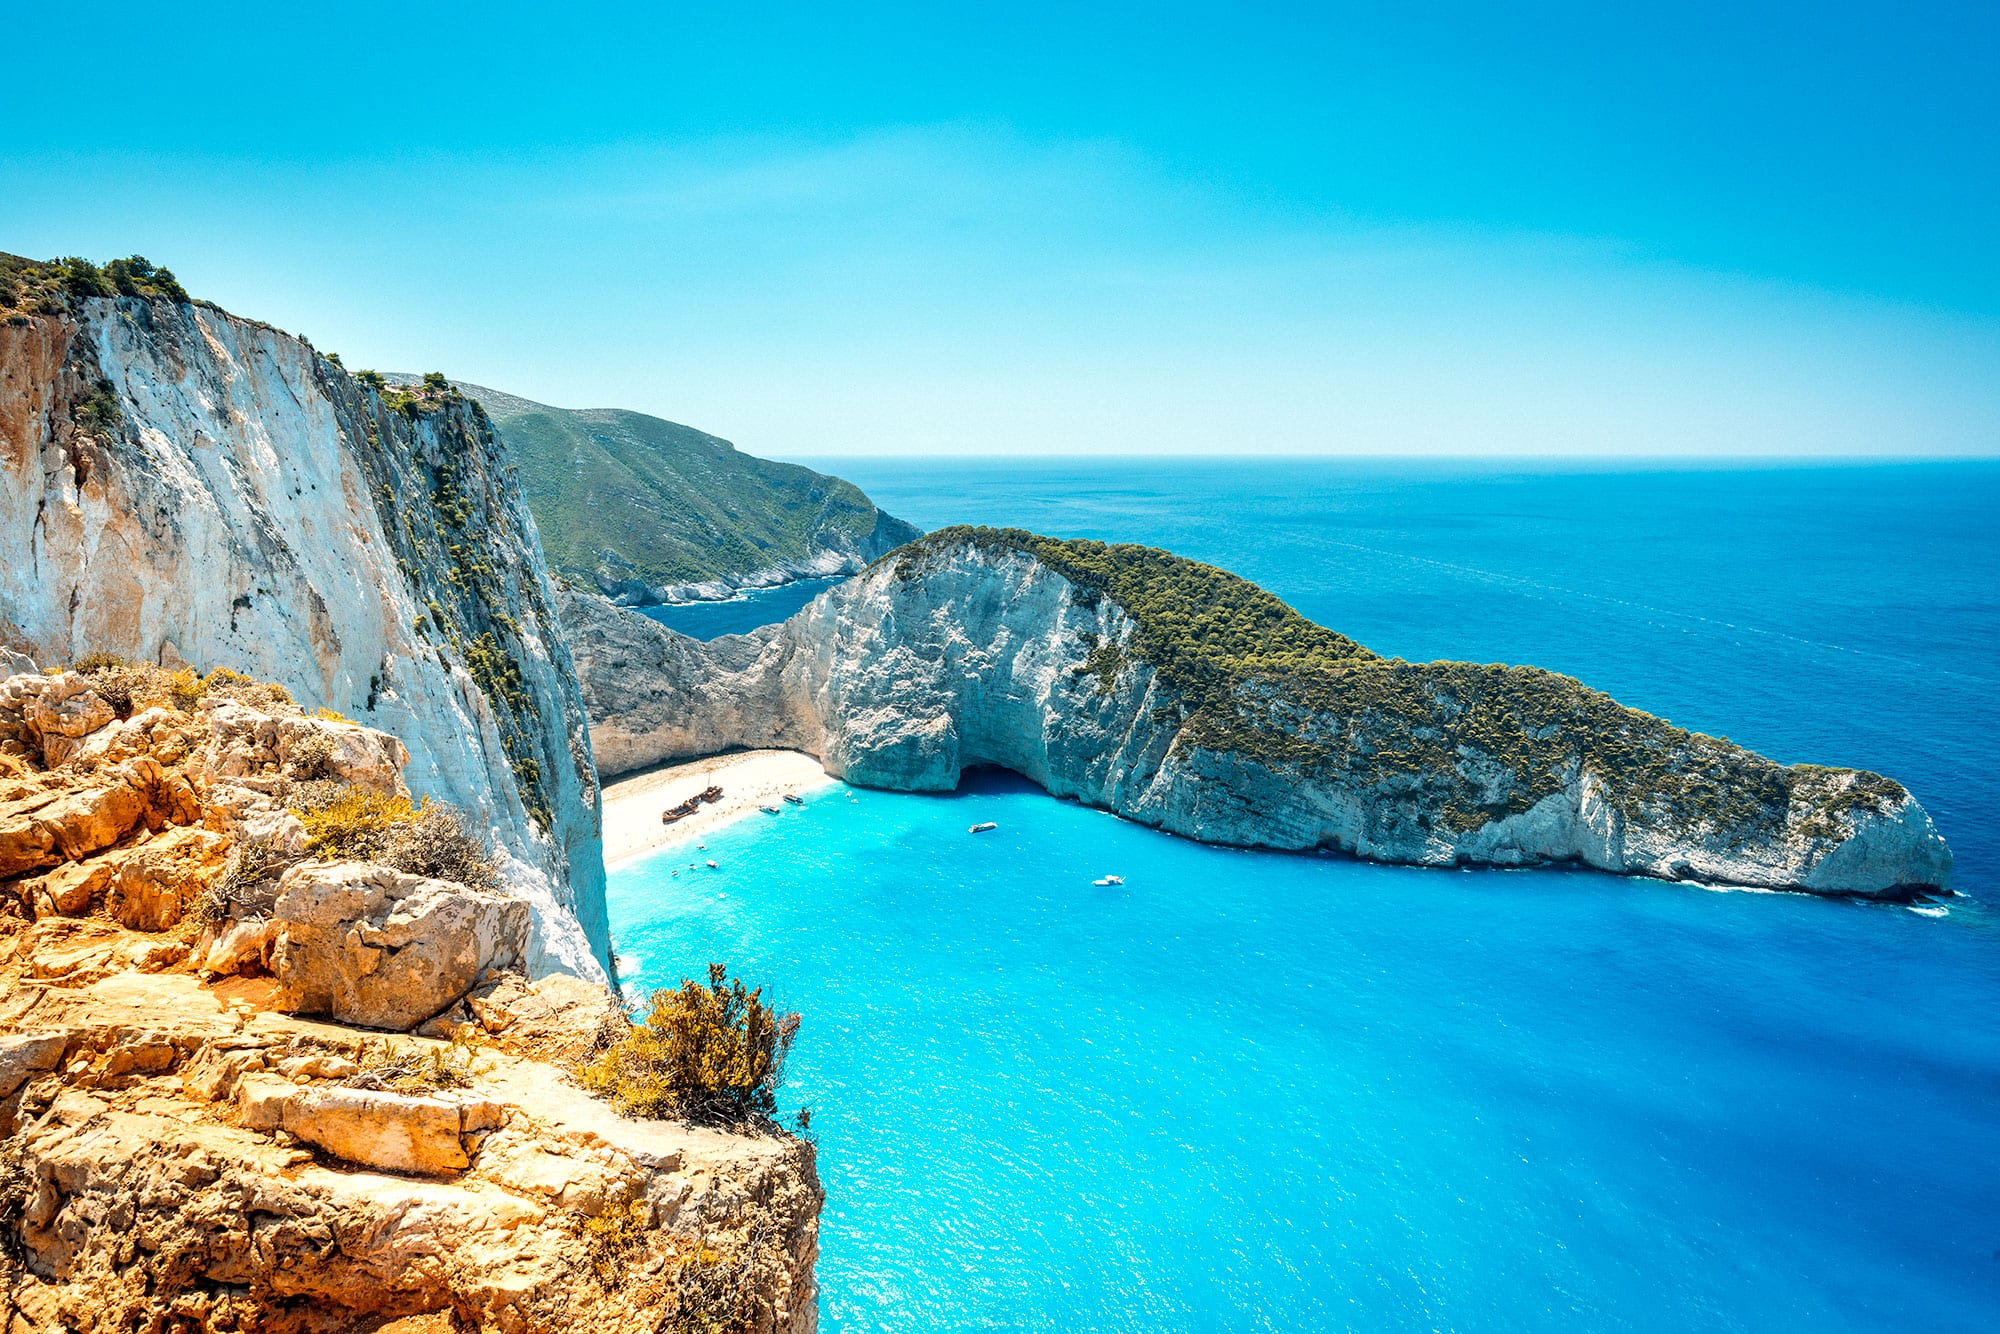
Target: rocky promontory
[
  {"x": 1183, "y": 697},
  {"x": 271, "y": 1057}
]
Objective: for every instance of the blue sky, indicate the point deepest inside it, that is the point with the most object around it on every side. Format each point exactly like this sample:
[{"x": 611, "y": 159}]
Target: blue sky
[{"x": 1576, "y": 229}]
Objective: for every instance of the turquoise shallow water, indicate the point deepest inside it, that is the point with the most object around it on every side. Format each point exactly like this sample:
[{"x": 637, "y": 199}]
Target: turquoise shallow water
[{"x": 1251, "y": 1091}]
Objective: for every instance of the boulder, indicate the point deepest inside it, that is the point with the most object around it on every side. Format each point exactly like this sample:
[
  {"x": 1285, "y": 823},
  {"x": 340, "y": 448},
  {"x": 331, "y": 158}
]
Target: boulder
[
  {"x": 237, "y": 945},
  {"x": 63, "y": 713},
  {"x": 159, "y": 880},
  {"x": 70, "y": 889},
  {"x": 26, "y": 1054},
  {"x": 246, "y": 743},
  {"x": 369, "y": 945},
  {"x": 261, "y": 1099},
  {"x": 389, "y": 1131}
]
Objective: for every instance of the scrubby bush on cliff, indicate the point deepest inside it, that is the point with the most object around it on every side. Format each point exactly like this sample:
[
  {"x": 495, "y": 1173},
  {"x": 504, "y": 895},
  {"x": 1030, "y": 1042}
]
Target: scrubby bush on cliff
[
  {"x": 348, "y": 823},
  {"x": 710, "y": 1054},
  {"x": 247, "y": 887},
  {"x": 415, "y": 1067}
]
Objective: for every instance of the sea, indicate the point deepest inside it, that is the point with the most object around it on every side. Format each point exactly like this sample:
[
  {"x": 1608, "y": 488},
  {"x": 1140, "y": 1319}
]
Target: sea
[{"x": 1256, "y": 1091}]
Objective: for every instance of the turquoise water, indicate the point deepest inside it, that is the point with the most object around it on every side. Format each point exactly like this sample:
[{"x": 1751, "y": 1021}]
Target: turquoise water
[{"x": 1251, "y": 1091}]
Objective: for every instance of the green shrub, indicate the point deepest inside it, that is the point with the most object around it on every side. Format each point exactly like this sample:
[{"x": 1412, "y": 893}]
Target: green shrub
[
  {"x": 82, "y": 278},
  {"x": 710, "y": 1054},
  {"x": 138, "y": 276},
  {"x": 347, "y": 823},
  {"x": 185, "y": 689},
  {"x": 99, "y": 411}
]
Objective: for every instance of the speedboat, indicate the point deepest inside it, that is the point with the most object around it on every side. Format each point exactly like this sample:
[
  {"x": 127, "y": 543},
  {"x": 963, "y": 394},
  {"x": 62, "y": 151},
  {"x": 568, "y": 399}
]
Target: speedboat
[
  {"x": 982, "y": 827},
  {"x": 769, "y": 810},
  {"x": 1109, "y": 880},
  {"x": 712, "y": 866}
]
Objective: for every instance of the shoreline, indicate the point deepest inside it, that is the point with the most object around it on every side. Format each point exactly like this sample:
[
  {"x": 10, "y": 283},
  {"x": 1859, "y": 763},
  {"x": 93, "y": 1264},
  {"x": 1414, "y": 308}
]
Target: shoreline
[{"x": 748, "y": 779}]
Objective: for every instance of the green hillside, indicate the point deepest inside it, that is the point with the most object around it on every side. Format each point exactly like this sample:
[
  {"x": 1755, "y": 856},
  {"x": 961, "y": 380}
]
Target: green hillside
[{"x": 632, "y": 504}]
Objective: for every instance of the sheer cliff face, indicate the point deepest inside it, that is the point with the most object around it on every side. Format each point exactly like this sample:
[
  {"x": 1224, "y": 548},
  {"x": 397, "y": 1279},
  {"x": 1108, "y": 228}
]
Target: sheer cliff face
[
  {"x": 938, "y": 660},
  {"x": 177, "y": 484}
]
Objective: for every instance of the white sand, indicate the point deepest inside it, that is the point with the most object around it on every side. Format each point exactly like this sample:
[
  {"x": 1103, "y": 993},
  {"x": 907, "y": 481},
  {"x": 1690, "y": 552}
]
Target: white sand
[{"x": 748, "y": 779}]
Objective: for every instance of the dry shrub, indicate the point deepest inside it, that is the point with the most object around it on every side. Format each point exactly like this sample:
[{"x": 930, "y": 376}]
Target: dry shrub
[
  {"x": 437, "y": 844},
  {"x": 226, "y": 684},
  {"x": 247, "y": 887},
  {"x": 311, "y": 757},
  {"x": 415, "y": 1067},
  {"x": 348, "y": 823},
  {"x": 710, "y": 1054}
]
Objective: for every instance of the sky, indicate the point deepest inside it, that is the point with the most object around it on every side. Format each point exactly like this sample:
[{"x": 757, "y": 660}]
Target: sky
[{"x": 1574, "y": 229}]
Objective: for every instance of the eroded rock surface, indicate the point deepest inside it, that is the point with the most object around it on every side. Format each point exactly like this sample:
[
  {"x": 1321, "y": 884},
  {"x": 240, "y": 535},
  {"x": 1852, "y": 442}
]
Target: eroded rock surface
[
  {"x": 184, "y": 1147},
  {"x": 178, "y": 1156},
  {"x": 369, "y": 945}
]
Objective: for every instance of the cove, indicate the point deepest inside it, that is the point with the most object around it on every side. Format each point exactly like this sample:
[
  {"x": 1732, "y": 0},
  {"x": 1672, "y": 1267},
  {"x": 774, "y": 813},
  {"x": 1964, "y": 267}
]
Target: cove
[{"x": 1261, "y": 1091}]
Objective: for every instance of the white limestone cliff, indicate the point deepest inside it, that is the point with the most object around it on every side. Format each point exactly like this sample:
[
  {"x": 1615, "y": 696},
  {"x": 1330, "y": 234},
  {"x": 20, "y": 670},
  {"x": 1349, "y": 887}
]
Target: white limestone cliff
[
  {"x": 954, "y": 654},
  {"x": 181, "y": 485}
]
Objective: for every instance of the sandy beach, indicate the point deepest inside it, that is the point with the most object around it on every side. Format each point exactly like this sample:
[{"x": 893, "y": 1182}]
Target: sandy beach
[{"x": 748, "y": 779}]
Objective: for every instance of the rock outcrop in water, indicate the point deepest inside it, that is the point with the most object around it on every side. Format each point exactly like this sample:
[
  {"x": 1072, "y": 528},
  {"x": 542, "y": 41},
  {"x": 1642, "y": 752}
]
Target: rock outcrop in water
[
  {"x": 195, "y": 1134},
  {"x": 178, "y": 484},
  {"x": 1182, "y": 697}
]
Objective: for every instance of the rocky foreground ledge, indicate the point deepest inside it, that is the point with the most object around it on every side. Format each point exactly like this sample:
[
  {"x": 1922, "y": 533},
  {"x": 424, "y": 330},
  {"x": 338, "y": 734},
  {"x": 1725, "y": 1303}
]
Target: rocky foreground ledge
[
  {"x": 1183, "y": 697},
  {"x": 248, "y": 1085}
]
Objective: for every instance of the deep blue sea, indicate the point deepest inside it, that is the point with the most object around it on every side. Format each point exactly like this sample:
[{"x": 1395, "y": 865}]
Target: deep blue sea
[{"x": 1260, "y": 1092}]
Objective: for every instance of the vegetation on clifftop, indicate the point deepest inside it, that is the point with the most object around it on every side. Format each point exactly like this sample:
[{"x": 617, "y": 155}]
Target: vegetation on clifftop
[
  {"x": 1468, "y": 742},
  {"x": 709, "y": 1054},
  {"x": 45, "y": 287}
]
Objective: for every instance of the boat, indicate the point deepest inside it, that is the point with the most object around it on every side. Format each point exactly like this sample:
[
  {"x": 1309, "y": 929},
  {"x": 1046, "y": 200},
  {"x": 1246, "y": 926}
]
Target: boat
[
  {"x": 769, "y": 810},
  {"x": 712, "y": 866},
  {"x": 795, "y": 799},
  {"x": 1109, "y": 880},
  {"x": 982, "y": 827}
]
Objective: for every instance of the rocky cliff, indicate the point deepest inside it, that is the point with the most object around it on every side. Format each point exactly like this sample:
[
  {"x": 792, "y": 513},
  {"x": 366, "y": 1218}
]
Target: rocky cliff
[
  {"x": 1180, "y": 696},
  {"x": 178, "y": 484},
  {"x": 651, "y": 511},
  {"x": 211, "y": 905}
]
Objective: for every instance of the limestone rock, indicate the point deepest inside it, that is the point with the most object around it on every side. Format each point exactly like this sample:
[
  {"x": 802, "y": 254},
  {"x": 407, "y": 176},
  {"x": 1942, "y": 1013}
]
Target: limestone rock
[
  {"x": 159, "y": 880},
  {"x": 373, "y": 946},
  {"x": 251, "y": 505},
  {"x": 966, "y": 653},
  {"x": 168, "y": 1179},
  {"x": 25, "y": 1054},
  {"x": 245, "y": 742},
  {"x": 388, "y": 1131}
]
